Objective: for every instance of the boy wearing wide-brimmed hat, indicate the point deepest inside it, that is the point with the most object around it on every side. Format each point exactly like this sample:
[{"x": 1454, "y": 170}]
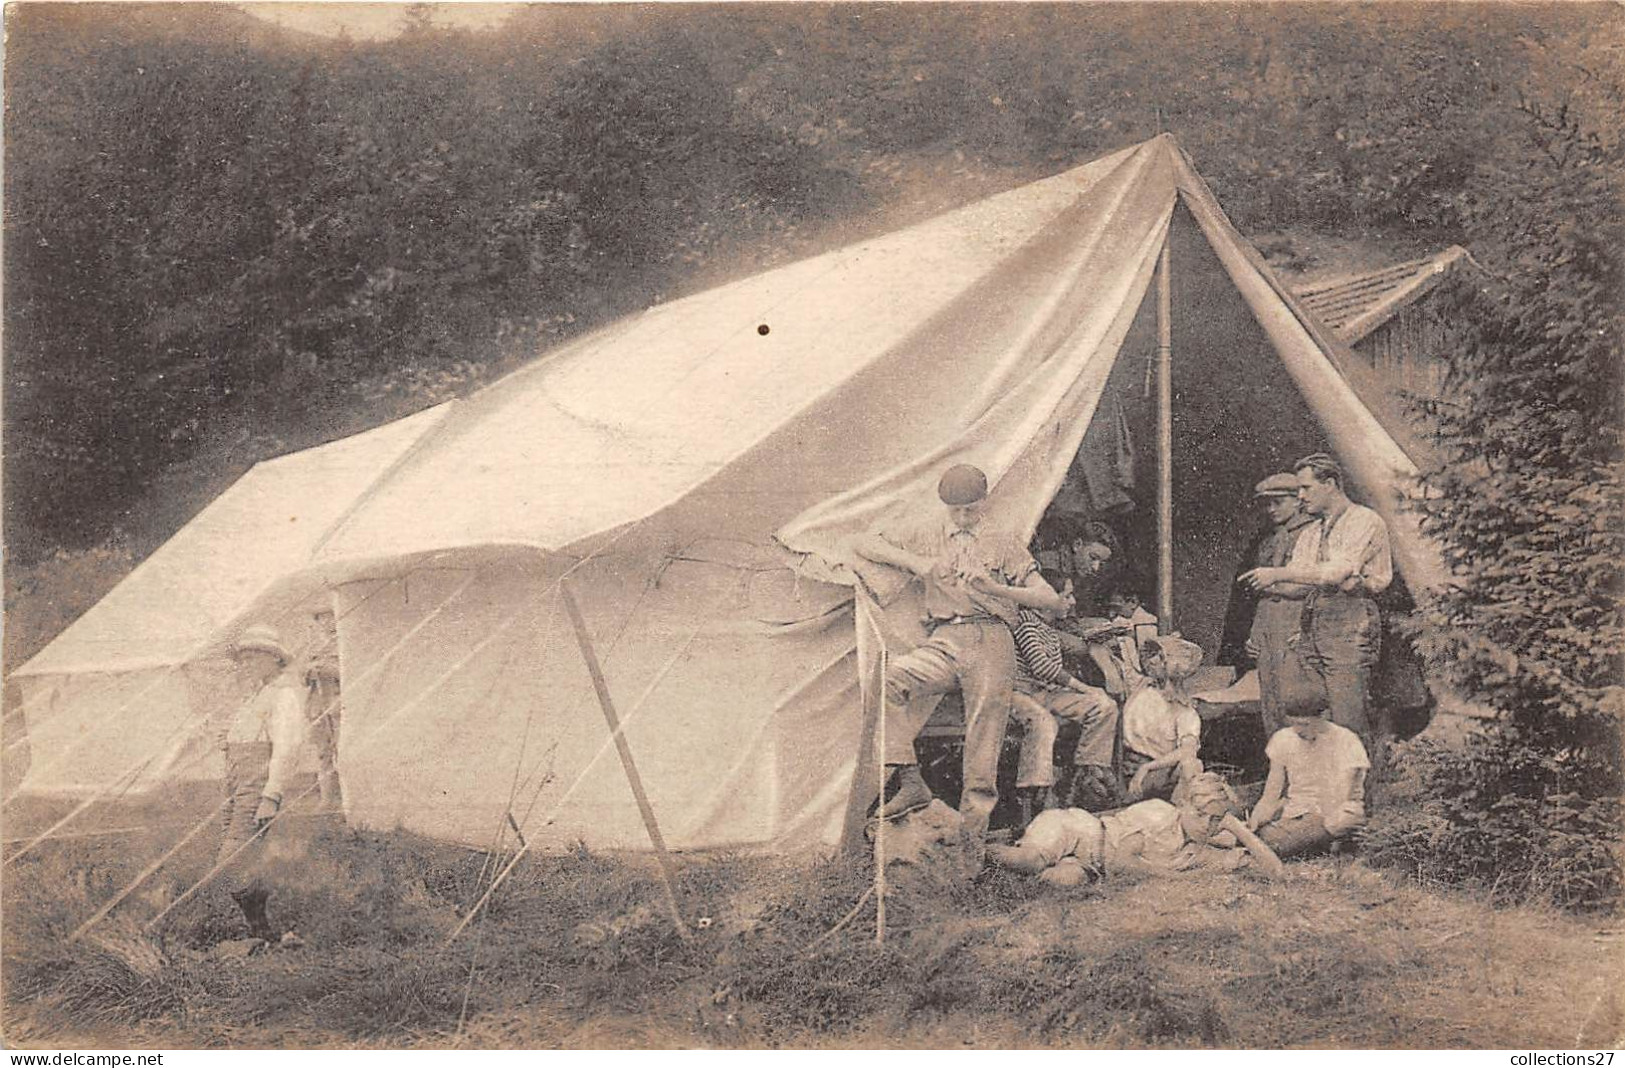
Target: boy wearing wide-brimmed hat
[{"x": 261, "y": 743}]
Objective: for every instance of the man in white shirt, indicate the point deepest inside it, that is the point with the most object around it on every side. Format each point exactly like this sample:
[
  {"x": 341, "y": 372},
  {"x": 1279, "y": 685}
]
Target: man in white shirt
[
  {"x": 1345, "y": 560},
  {"x": 1316, "y": 787}
]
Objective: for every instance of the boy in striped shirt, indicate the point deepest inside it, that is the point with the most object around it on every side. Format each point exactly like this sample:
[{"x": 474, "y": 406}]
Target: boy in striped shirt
[{"x": 1046, "y": 693}]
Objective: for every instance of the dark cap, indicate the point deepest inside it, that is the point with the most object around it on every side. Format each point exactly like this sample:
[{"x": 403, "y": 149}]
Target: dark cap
[{"x": 962, "y": 484}]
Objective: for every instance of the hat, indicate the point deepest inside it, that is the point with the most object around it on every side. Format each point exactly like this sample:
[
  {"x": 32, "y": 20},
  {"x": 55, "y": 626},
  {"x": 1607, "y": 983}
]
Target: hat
[
  {"x": 260, "y": 638},
  {"x": 962, "y": 484},
  {"x": 1182, "y": 658},
  {"x": 1277, "y": 486}
]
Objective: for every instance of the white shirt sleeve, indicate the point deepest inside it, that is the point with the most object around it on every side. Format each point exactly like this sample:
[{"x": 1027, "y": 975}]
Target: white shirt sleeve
[
  {"x": 1352, "y": 754},
  {"x": 286, "y": 726},
  {"x": 1357, "y": 547},
  {"x": 1278, "y": 745},
  {"x": 1187, "y": 724}
]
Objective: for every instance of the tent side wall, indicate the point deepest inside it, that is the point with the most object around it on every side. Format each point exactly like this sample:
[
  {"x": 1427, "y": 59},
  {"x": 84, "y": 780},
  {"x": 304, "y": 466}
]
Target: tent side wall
[
  {"x": 467, "y": 699},
  {"x": 121, "y": 733}
]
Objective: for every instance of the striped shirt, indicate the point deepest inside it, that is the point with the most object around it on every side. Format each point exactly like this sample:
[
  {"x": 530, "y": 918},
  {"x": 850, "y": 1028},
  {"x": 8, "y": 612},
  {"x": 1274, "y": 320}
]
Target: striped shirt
[{"x": 1038, "y": 649}]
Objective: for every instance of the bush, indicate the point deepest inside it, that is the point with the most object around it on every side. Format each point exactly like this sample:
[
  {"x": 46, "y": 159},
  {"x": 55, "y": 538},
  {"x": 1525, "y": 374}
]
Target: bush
[{"x": 1527, "y": 498}]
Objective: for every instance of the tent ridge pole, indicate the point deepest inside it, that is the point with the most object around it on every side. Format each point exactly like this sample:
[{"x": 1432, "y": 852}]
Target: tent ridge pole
[
  {"x": 668, "y": 871},
  {"x": 1165, "y": 441}
]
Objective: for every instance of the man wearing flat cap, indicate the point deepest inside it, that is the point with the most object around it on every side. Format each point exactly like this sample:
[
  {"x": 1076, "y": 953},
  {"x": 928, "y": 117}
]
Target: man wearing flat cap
[
  {"x": 1280, "y": 607},
  {"x": 974, "y": 580},
  {"x": 261, "y": 743},
  {"x": 1345, "y": 560}
]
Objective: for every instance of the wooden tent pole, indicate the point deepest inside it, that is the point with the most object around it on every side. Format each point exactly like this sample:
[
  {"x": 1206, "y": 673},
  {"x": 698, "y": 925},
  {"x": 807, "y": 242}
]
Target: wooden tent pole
[
  {"x": 668, "y": 871},
  {"x": 864, "y": 789},
  {"x": 1165, "y": 444}
]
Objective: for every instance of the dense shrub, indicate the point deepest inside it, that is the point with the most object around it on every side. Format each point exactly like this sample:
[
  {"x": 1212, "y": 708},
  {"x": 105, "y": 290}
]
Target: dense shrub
[{"x": 1527, "y": 500}]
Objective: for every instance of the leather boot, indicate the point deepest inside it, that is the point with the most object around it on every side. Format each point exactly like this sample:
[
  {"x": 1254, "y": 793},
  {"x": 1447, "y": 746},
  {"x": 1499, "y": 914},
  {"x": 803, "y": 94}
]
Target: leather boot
[
  {"x": 911, "y": 795},
  {"x": 1030, "y": 800},
  {"x": 1096, "y": 789},
  {"x": 252, "y": 903}
]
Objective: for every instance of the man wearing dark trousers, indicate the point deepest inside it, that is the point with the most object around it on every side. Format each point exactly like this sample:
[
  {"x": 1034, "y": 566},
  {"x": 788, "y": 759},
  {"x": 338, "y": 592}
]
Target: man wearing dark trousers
[
  {"x": 1345, "y": 560},
  {"x": 1279, "y": 612}
]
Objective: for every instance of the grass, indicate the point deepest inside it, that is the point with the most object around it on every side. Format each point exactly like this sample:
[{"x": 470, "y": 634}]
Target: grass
[{"x": 578, "y": 950}]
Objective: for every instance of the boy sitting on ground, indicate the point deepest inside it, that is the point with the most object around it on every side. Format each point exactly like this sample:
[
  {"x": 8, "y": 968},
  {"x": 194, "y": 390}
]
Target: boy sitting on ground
[
  {"x": 1161, "y": 730},
  {"x": 1315, "y": 792},
  {"x": 1046, "y": 693}
]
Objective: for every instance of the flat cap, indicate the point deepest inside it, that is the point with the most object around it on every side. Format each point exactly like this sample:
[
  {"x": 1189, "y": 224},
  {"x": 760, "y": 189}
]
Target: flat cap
[{"x": 1277, "y": 486}]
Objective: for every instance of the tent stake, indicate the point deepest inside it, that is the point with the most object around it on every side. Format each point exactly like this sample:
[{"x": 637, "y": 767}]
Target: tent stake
[
  {"x": 1165, "y": 443},
  {"x": 667, "y": 870}
]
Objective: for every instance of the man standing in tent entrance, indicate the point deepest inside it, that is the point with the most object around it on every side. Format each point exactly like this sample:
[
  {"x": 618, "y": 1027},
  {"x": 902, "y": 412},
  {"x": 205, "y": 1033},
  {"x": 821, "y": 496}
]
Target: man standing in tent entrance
[
  {"x": 974, "y": 580},
  {"x": 1279, "y": 612},
  {"x": 323, "y": 708},
  {"x": 1345, "y": 561}
]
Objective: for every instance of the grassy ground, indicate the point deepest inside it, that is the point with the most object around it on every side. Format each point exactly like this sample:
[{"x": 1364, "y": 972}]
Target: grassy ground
[{"x": 578, "y": 951}]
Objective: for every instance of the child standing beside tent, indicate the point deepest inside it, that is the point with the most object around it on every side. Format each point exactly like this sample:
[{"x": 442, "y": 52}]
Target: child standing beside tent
[
  {"x": 323, "y": 707},
  {"x": 974, "y": 579},
  {"x": 261, "y": 743}
]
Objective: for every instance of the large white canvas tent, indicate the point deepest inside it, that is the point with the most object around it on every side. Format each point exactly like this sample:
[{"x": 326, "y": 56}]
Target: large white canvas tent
[{"x": 691, "y": 475}]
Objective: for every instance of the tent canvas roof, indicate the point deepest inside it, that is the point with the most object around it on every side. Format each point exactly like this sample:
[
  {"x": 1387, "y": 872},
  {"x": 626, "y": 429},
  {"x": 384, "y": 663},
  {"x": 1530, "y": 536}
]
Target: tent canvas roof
[
  {"x": 262, "y": 529},
  {"x": 638, "y": 416}
]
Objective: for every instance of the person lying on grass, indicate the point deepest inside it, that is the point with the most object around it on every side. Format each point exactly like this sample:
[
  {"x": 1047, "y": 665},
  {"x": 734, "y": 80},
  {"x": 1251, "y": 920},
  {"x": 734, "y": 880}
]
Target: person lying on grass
[
  {"x": 1315, "y": 793},
  {"x": 1069, "y": 846},
  {"x": 1161, "y": 730}
]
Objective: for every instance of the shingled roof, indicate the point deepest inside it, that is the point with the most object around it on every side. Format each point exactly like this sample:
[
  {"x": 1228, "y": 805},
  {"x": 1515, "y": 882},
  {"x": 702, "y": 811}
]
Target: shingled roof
[{"x": 1356, "y": 305}]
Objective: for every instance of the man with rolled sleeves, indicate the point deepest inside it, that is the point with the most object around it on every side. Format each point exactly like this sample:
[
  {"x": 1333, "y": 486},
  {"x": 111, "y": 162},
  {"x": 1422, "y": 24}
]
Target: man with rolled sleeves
[
  {"x": 1279, "y": 612},
  {"x": 1345, "y": 560},
  {"x": 974, "y": 580}
]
